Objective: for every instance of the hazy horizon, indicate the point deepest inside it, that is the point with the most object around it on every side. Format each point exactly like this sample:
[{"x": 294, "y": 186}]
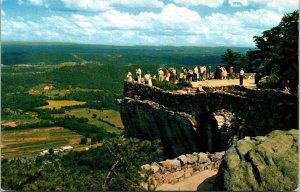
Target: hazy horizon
[{"x": 115, "y": 45}]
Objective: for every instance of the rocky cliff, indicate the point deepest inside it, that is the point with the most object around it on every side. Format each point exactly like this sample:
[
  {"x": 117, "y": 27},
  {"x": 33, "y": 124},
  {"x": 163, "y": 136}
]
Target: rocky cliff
[
  {"x": 261, "y": 163},
  {"x": 208, "y": 121}
]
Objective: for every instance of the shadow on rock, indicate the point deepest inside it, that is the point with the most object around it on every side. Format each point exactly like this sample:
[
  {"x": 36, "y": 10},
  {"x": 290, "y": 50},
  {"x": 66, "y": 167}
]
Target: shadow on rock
[{"x": 207, "y": 184}]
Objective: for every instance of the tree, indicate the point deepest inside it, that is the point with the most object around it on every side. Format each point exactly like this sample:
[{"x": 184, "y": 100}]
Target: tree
[
  {"x": 129, "y": 154},
  {"x": 51, "y": 151},
  {"x": 278, "y": 49},
  {"x": 83, "y": 140},
  {"x": 234, "y": 59}
]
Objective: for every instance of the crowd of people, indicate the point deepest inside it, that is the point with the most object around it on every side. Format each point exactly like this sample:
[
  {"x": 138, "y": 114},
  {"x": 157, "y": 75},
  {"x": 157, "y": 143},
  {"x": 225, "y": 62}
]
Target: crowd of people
[{"x": 195, "y": 74}]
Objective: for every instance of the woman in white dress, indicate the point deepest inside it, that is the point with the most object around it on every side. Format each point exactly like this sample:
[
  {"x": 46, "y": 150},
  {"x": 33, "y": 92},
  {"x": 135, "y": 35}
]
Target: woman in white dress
[{"x": 148, "y": 79}]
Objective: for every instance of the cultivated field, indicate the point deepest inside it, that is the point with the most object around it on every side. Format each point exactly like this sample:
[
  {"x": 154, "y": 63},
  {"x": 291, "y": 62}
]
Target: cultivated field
[
  {"x": 57, "y": 104},
  {"x": 29, "y": 142},
  {"x": 110, "y": 116},
  {"x": 53, "y": 93},
  {"x": 19, "y": 118}
]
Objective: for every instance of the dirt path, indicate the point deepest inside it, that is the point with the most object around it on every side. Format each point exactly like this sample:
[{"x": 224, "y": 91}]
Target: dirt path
[{"x": 201, "y": 181}]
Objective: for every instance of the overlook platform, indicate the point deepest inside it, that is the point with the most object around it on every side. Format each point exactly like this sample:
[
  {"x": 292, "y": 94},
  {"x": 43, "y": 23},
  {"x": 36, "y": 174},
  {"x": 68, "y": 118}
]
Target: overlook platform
[{"x": 218, "y": 83}]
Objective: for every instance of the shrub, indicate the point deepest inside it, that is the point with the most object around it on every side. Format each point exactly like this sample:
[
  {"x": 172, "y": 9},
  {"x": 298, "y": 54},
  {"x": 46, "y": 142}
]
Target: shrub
[
  {"x": 271, "y": 82},
  {"x": 169, "y": 86},
  {"x": 166, "y": 85},
  {"x": 183, "y": 84}
]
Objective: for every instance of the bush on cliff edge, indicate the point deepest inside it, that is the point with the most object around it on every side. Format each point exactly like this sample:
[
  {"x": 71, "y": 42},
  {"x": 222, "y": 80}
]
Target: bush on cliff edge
[{"x": 169, "y": 86}]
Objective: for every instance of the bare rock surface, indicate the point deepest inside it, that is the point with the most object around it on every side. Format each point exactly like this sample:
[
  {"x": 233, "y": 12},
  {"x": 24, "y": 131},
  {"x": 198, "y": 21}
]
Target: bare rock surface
[{"x": 261, "y": 163}]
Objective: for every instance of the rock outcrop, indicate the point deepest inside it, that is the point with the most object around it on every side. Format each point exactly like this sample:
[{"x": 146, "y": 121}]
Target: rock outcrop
[
  {"x": 261, "y": 163},
  {"x": 149, "y": 120},
  {"x": 208, "y": 121}
]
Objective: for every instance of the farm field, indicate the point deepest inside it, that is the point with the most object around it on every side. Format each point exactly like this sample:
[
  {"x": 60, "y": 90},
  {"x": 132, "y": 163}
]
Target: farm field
[
  {"x": 29, "y": 142},
  {"x": 20, "y": 118},
  {"x": 109, "y": 115},
  {"x": 57, "y": 104},
  {"x": 53, "y": 93}
]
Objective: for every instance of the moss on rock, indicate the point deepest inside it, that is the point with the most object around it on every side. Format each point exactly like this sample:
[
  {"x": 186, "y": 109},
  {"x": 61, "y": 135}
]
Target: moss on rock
[{"x": 261, "y": 164}]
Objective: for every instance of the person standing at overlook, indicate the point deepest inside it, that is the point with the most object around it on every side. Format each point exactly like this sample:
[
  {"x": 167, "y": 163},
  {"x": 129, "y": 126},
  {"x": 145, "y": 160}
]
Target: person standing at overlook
[
  {"x": 209, "y": 71},
  {"x": 241, "y": 76},
  {"x": 218, "y": 73},
  {"x": 160, "y": 74},
  {"x": 167, "y": 74},
  {"x": 147, "y": 77},
  {"x": 139, "y": 74},
  {"x": 202, "y": 72},
  {"x": 196, "y": 74},
  {"x": 230, "y": 71},
  {"x": 129, "y": 76}
]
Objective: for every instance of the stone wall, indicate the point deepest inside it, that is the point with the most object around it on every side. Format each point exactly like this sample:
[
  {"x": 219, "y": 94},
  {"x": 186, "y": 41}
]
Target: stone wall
[
  {"x": 184, "y": 166},
  {"x": 207, "y": 121},
  {"x": 236, "y": 75},
  {"x": 260, "y": 108}
]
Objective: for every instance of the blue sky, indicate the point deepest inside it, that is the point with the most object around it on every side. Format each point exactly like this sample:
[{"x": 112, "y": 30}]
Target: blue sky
[{"x": 142, "y": 22}]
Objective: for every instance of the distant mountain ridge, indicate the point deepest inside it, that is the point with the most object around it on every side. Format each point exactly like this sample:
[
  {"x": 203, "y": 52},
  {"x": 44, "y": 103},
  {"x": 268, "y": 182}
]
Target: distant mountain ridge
[{"x": 55, "y": 53}]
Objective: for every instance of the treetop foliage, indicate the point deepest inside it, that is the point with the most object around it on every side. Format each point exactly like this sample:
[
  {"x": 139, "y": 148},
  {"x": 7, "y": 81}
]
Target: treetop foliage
[{"x": 278, "y": 49}]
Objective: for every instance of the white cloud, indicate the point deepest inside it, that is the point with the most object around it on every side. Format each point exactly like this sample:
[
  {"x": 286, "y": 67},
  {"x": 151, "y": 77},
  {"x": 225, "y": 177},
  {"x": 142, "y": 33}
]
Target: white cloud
[
  {"x": 3, "y": 13},
  {"x": 87, "y": 5},
  {"x": 101, "y": 5},
  {"x": 238, "y": 3},
  {"x": 240, "y": 27},
  {"x": 258, "y": 18},
  {"x": 36, "y": 2},
  {"x": 282, "y": 5},
  {"x": 138, "y": 3},
  {"x": 275, "y": 5},
  {"x": 173, "y": 14},
  {"x": 32, "y": 2},
  {"x": 209, "y": 3},
  {"x": 20, "y": 2}
]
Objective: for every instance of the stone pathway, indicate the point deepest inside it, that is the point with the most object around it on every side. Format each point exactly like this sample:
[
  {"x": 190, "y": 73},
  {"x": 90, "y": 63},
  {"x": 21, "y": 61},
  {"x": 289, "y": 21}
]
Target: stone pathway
[{"x": 202, "y": 181}]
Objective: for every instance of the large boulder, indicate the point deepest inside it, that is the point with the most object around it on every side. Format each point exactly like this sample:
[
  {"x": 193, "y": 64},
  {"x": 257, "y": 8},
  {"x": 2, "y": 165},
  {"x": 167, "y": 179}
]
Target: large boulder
[{"x": 261, "y": 164}]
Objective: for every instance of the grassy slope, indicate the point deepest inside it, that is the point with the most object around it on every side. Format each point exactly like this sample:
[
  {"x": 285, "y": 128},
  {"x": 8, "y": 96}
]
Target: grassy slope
[
  {"x": 111, "y": 116},
  {"x": 57, "y": 104}
]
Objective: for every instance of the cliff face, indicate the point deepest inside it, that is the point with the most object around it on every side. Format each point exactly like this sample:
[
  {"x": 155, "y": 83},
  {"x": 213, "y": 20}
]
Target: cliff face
[
  {"x": 207, "y": 121},
  {"x": 145, "y": 119}
]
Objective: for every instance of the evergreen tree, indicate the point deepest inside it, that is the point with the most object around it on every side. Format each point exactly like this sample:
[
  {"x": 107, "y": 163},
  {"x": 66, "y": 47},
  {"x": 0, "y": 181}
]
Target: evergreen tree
[
  {"x": 234, "y": 59},
  {"x": 278, "y": 49}
]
